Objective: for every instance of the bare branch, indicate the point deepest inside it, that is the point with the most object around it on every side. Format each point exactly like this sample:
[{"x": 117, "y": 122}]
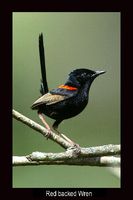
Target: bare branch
[
  {"x": 104, "y": 150},
  {"x": 65, "y": 158},
  {"x": 91, "y": 156},
  {"x": 56, "y": 138}
]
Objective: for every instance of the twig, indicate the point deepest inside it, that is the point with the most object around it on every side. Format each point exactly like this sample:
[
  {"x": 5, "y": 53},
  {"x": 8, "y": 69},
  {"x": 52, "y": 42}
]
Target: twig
[
  {"x": 65, "y": 158},
  {"x": 93, "y": 156},
  {"x": 56, "y": 138},
  {"x": 104, "y": 150}
]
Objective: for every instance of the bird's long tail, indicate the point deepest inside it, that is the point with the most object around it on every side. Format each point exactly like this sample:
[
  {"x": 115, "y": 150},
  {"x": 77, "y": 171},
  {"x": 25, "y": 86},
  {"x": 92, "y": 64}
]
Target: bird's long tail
[{"x": 44, "y": 85}]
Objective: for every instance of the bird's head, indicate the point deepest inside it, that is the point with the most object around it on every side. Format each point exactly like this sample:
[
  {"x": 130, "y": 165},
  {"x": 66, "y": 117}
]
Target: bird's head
[{"x": 81, "y": 76}]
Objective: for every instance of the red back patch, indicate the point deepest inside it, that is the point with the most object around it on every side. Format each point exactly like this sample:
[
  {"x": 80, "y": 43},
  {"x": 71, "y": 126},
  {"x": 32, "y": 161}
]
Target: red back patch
[{"x": 67, "y": 87}]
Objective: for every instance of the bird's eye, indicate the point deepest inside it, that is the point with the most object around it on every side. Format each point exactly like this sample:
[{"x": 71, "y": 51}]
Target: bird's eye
[{"x": 83, "y": 75}]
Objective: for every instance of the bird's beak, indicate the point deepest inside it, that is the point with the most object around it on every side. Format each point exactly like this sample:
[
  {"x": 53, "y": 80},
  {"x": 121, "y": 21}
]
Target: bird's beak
[{"x": 98, "y": 73}]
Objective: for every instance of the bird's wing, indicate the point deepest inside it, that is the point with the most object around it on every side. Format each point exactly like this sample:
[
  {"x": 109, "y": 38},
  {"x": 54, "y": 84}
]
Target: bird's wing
[{"x": 54, "y": 96}]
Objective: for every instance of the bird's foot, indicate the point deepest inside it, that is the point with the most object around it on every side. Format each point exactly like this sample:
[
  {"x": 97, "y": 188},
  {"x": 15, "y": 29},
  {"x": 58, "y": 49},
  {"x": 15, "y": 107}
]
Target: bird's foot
[{"x": 48, "y": 134}]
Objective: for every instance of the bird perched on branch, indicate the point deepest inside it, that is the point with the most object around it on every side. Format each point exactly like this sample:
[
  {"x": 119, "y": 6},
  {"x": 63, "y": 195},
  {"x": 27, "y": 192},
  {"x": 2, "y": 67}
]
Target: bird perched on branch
[{"x": 67, "y": 100}]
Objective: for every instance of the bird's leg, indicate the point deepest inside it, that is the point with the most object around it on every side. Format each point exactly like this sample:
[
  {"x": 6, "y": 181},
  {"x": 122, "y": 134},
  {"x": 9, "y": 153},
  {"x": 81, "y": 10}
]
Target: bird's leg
[
  {"x": 45, "y": 123},
  {"x": 55, "y": 127}
]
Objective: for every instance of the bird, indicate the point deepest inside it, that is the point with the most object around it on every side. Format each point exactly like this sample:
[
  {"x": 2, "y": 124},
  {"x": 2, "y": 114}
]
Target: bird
[{"x": 67, "y": 100}]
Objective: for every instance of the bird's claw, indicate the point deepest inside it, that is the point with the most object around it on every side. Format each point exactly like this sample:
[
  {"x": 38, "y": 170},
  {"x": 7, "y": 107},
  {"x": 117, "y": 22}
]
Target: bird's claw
[{"x": 48, "y": 134}]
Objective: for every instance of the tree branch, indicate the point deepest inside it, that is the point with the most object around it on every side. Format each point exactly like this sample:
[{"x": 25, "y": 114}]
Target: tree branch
[
  {"x": 56, "y": 138},
  {"x": 65, "y": 158},
  {"x": 91, "y": 156}
]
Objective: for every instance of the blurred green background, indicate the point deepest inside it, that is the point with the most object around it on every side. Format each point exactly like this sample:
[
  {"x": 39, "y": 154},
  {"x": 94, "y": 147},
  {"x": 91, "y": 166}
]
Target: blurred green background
[{"x": 72, "y": 40}]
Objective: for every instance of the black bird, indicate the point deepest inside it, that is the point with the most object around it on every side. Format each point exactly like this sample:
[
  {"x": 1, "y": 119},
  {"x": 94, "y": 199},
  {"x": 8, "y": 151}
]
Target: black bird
[{"x": 67, "y": 100}]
